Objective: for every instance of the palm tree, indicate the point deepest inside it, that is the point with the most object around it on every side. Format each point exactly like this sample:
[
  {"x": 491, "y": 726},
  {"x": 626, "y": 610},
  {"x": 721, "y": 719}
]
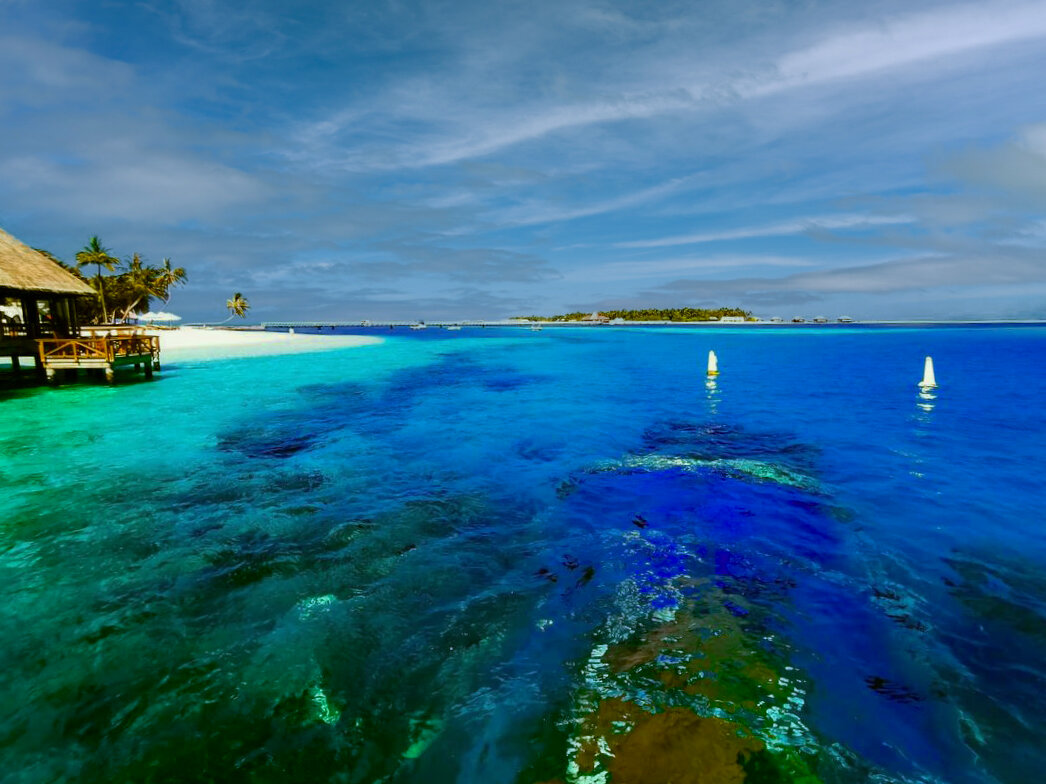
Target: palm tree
[
  {"x": 238, "y": 306},
  {"x": 169, "y": 276},
  {"x": 140, "y": 284},
  {"x": 94, "y": 253}
]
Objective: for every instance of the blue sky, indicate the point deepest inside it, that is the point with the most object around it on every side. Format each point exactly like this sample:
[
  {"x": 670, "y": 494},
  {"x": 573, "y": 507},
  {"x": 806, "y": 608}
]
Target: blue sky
[{"x": 483, "y": 159}]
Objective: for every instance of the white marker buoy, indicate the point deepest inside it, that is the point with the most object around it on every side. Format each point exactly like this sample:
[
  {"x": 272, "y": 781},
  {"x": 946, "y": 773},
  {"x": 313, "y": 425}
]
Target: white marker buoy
[
  {"x": 713, "y": 364},
  {"x": 929, "y": 381}
]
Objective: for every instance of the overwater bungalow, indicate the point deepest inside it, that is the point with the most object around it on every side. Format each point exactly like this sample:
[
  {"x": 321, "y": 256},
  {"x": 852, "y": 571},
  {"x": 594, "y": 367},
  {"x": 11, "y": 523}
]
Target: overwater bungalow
[{"x": 39, "y": 319}]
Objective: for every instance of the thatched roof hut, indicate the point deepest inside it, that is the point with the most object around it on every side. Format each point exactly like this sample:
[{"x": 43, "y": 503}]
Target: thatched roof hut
[
  {"x": 23, "y": 269},
  {"x": 38, "y": 298}
]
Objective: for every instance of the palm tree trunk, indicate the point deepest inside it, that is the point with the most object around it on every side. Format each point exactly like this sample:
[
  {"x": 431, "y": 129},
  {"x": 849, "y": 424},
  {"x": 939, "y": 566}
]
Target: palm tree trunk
[{"x": 101, "y": 293}]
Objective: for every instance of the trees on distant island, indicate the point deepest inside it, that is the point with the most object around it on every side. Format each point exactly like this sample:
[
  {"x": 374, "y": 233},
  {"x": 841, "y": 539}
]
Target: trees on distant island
[
  {"x": 651, "y": 314},
  {"x": 130, "y": 291}
]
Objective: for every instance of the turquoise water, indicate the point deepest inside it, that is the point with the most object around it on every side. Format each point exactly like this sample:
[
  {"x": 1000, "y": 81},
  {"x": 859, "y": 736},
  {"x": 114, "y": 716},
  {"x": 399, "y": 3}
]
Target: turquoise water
[{"x": 505, "y": 556}]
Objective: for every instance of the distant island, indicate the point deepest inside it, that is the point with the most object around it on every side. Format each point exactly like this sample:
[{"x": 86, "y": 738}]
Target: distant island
[{"x": 648, "y": 314}]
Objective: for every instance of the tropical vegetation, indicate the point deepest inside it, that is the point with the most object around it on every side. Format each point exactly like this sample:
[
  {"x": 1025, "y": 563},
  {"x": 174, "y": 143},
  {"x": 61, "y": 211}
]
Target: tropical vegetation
[
  {"x": 131, "y": 290},
  {"x": 94, "y": 253},
  {"x": 237, "y": 305},
  {"x": 651, "y": 314}
]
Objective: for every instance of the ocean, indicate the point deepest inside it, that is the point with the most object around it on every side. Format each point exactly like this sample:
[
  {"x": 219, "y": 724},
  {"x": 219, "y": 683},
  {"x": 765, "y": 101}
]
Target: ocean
[{"x": 497, "y": 555}]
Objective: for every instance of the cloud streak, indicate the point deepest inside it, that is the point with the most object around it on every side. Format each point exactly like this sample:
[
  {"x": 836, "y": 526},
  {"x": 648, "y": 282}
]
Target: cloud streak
[
  {"x": 849, "y": 52},
  {"x": 801, "y": 226}
]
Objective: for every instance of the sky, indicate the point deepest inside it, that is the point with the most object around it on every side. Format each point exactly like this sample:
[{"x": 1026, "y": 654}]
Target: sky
[{"x": 461, "y": 159}]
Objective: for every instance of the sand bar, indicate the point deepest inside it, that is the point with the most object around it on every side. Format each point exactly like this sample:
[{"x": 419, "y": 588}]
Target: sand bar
[{"x": 202, "y": 343}]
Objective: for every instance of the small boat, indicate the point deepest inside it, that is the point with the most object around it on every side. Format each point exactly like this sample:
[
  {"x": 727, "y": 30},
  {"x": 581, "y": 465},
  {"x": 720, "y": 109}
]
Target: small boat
[
  {"x": 535, "y": 327},
  {"x": 713, "y": 364},
  {"x": 453, "y": 327},
  {"x": 845, "y": 320},
  {"x": 418, "y": 326},
  {"x": 929, "y": 379}
]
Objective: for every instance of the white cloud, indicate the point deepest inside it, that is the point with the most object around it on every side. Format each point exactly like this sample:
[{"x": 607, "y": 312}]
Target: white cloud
[
  {"x": 800, "y": 226},
  {"x": 531, "y": 214},
  {"x": 659, "y": 268},
  {"x": 907, "y": 40},
  {"x": 132, "y": 186},
  {"x": 481, "y": 127}
]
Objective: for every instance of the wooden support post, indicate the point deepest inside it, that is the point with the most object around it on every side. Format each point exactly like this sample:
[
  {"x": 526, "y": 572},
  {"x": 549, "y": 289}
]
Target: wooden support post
[
  {"x": 110, "y": 374},
  {"x": 50, "y": 375},
  {"x": 148, "y": 368},
  {"x": 16, "y": 364}
]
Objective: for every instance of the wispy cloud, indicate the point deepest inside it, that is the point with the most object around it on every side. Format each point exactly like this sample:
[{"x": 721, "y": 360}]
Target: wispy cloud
[
  {"x": 705, "y": 265},
  {"x": 905, "y": 40},
  {"x": 849, "y": 52},
  {"x": 800, "y": 226},
  {"x": 535, "y": 213},
  {"x": 997, "y": 267}
]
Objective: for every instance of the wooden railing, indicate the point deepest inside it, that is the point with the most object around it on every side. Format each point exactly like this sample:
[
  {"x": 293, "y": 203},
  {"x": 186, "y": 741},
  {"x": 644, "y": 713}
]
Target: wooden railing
[
  {"x": 95, "y": 349},
  {"x": 133, "y": 346},
  {"x": 76, "y": 349}
]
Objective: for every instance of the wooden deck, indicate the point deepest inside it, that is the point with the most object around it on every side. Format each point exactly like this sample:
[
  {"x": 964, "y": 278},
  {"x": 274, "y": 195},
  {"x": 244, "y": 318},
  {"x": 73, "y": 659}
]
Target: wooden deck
[{"x": 105, "y": 352}]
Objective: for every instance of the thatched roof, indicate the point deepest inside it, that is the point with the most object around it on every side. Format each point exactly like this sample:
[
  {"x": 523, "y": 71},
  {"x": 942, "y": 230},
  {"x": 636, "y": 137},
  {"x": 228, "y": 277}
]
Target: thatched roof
[{"x": 25, "y": 269}]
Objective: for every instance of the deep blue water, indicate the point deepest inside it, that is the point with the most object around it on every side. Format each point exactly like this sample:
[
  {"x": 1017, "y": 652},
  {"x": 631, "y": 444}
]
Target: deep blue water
[{"x": 504, "y": 556}]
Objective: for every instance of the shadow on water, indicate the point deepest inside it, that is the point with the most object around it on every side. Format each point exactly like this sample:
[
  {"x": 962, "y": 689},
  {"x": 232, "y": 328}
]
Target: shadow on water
[
  {"x": 325, "y": 410},
  {"x": 304, "y": 655}
]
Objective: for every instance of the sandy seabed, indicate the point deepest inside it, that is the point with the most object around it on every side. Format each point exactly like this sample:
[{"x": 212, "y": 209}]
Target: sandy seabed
[{"x": 200, "y": 343}]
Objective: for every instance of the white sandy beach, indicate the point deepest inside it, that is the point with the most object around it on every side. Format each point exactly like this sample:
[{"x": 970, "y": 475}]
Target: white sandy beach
[{"x": 201, "y": 343}]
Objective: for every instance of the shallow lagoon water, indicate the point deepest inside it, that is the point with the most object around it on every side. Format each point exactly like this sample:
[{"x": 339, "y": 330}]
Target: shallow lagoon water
[{"x": 504, "y": 556}]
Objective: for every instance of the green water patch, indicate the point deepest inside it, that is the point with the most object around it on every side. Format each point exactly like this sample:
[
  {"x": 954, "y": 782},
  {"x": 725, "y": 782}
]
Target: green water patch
[
  {"x": 714, "y": 449},
  {"x": 692, "y": 696},
  {"x": 737, "y": 468}
]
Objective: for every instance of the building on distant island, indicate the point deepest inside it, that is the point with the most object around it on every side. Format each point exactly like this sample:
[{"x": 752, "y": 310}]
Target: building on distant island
[
  {"x": 732, "y": 320},
  {"x": 596, "y": 318},
  {"x": 38, "y": 300}
]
